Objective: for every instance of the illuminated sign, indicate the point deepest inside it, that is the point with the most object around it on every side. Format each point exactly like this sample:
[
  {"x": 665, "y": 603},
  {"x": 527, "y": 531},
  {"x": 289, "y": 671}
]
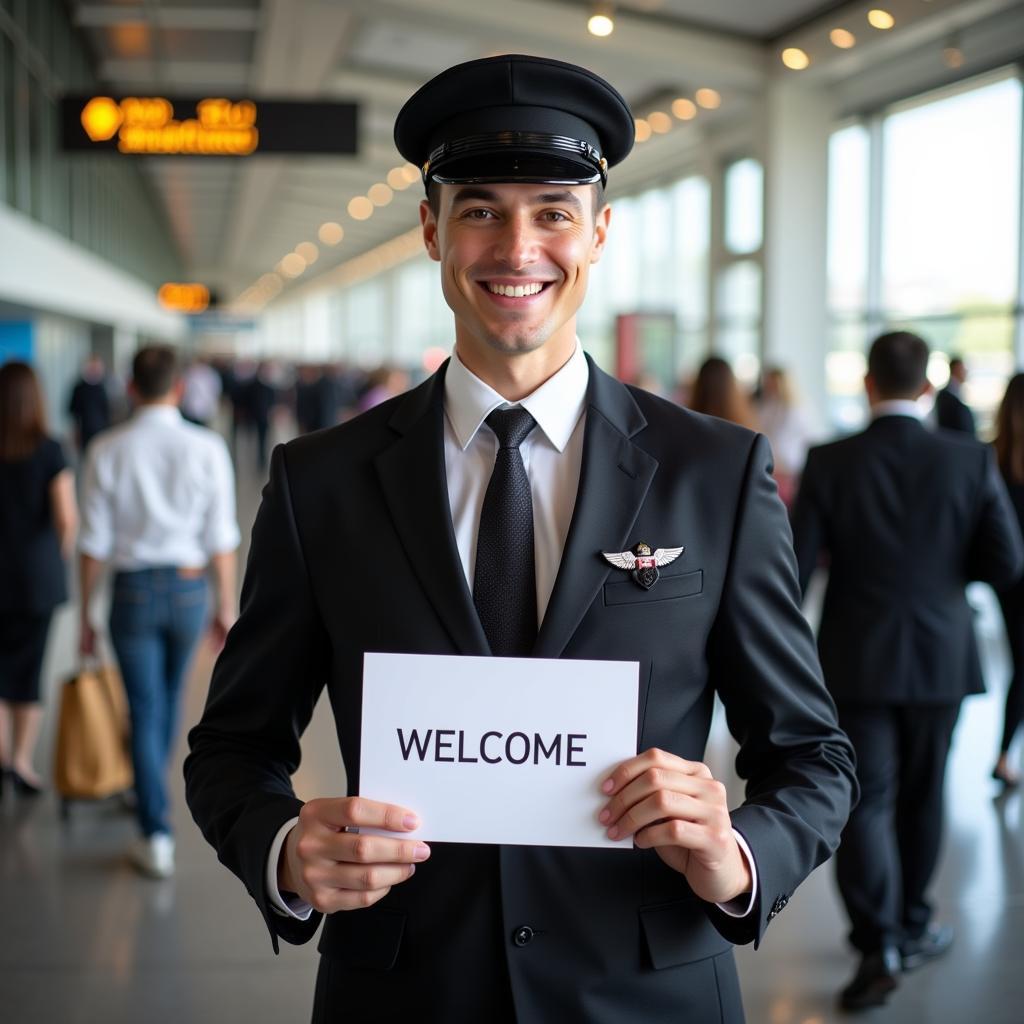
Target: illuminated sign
[
  {"x": 184, "y": 298},
  {"x": 208, "y": 126}
]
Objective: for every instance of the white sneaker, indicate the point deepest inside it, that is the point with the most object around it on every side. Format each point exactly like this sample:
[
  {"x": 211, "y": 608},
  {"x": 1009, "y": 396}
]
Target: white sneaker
[{"x": 154, "y": 856}]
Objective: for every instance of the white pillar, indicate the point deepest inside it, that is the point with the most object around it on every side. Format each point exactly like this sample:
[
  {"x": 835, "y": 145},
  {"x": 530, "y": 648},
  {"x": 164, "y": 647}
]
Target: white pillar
[{"x": 799, "y": 119}]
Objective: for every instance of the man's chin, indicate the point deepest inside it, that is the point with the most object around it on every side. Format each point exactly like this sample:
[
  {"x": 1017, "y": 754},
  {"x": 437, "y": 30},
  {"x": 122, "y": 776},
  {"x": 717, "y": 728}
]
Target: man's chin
[{"x": 519, "y": 342}]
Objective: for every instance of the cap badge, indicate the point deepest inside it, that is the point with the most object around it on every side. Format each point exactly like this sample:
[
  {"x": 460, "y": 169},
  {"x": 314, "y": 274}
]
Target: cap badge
[{"x": 643, "y": 562}]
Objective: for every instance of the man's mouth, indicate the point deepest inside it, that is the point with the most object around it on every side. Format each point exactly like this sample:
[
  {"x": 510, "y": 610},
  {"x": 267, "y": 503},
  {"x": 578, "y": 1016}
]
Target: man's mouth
[{"x": 515, "y": 290}]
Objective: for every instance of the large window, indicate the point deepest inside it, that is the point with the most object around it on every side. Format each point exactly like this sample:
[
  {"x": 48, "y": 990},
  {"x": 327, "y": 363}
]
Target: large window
[{"x": 941, "y": 221}]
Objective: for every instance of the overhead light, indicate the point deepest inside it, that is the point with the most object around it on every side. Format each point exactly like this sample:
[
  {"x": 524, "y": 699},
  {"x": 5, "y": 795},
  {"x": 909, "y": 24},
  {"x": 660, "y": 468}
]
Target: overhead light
[
  {"x": 331, "y": 233},
  {"x": 360, "y": 208},
  {"x": 602, "y": 21},
  {"x": 684, "y": 109},
  {"x": 795, "y": 58},
  {"x": 953, "y": 57},
  {"x": 883, "y": 20},
  {"x": 659, "y": 121},
  {"x": 292, "y": 265},
  {"x": 643, "y": 129},
  {"x": 308, "y": 251},
  {"x": 412, "y": 173},
  {"x": 380, "y": 194},
  {"x": 397, "y": 179},
  {"x": 709, "y": 99},
  {"x": 842, "y": 38}
]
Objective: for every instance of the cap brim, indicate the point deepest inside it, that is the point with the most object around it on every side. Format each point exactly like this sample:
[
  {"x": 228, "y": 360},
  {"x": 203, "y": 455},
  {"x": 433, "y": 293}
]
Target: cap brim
[{"x": 528, "y": 168}]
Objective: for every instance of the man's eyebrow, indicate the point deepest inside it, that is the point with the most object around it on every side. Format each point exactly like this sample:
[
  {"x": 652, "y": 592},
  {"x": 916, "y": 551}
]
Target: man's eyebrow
[
  {"x": 475, "y": 192},
  {"x": 470, "y": 193},
  {"x": 559, "y": 197}
]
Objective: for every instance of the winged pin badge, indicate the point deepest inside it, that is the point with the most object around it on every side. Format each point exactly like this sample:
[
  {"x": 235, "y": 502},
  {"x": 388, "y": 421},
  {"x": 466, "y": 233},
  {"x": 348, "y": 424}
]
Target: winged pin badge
[{"x": 643, "y": 562}]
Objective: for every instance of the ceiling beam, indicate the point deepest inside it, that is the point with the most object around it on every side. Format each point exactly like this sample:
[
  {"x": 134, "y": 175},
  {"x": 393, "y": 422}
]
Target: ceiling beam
[
  {"x": 297, "y": 48},
  {"x": 202, "y": 19},
  {"x": 638, "y": 45},
  {"x": 200, "y": 72}
]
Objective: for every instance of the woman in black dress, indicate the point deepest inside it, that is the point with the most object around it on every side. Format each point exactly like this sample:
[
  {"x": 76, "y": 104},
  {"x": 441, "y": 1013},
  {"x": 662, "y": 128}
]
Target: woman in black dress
[
  {"x": 1009, "y": 444},
  {"x": 38, "y": 519}
]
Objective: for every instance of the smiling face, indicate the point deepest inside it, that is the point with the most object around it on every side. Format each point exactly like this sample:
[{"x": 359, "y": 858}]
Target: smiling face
[{"x": 514, "y": 265}]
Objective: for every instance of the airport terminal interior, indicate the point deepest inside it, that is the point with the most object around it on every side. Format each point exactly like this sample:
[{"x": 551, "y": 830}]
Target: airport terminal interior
[{"x": 222, "y": 177}]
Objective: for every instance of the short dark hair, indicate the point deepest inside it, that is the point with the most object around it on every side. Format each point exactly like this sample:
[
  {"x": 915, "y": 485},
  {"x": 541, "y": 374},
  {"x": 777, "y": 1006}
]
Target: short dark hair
[
  {"x": 154, "y": 371},
  {"x": 434, "y": 197},
  {"x": 898, "y": 363},
  {"x": 955, "y": 361}
]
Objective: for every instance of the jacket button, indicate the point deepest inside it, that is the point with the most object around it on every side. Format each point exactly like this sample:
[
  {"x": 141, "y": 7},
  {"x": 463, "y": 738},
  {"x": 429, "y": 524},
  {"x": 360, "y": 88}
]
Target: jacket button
[{"x": 523, "y": 935}]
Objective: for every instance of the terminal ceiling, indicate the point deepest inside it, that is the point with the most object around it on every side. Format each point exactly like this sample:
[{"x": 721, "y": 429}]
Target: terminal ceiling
[{"x": 234, "y": 220}]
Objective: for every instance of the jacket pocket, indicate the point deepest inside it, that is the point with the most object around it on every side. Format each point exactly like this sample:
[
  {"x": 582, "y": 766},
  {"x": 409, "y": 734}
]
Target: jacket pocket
[
  {"x": 667, "y": 588},
  {"x": 363, "y": 939},
  {"x": 680, "y": 933}
]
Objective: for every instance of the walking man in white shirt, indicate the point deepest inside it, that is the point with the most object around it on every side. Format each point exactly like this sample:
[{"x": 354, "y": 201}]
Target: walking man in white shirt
[{"x": 158, "y": 505}]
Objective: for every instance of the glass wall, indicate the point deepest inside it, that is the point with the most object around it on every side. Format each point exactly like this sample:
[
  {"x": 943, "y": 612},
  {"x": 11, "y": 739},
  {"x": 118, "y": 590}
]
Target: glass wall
[
  {"x": 101, "y": 202},
  {"x": 924, "y": 233}
]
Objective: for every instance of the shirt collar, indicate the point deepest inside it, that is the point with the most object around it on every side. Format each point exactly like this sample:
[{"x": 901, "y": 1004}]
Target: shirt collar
[
  {"x": 157, "y": 412},
  {"x": 556, "y": 405},
  {"x": 897, "y": 407}
]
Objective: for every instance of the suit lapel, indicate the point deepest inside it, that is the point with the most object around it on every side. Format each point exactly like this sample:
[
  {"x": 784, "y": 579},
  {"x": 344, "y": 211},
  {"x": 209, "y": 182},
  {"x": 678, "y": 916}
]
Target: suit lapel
[
  {"x": 412, "y": 475},
  {"x": 614, "y": 478}
]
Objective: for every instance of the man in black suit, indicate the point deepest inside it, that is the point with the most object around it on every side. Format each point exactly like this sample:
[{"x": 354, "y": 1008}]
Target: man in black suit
[
  {"x": 951, "y": 411},
  {"x": 907, "y": 517},
  {"x": 470, "y": 516},
  {"x": 89, "y": 403}
]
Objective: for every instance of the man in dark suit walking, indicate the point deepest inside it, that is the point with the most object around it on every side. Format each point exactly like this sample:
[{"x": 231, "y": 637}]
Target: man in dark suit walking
[
  {"x": 951, "y": 411},
  {"x": 907, "y": 517},
  {"x": 470, "y": 516}
]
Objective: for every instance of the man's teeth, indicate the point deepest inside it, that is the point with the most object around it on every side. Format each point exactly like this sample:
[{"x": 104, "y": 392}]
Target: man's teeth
[{"x": 515, "y": 290}]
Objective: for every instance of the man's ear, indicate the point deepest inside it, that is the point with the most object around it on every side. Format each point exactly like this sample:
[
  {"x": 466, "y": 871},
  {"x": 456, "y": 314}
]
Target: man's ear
[
  {"x": 428, "y": 222},
  {"x": 601, "y": 222}
]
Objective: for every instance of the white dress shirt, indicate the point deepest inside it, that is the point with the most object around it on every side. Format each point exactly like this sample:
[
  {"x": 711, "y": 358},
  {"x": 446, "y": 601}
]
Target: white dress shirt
[
  {"x": 158, "y": 491},
  {"x": 552, "y": 455},
  {"x": 897, "y": 407}
]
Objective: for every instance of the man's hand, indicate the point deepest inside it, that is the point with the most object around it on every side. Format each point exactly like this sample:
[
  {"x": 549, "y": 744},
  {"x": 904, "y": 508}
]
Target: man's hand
[
  {"x": 220, "y": 625},
  {"x": 676, "y": 807},
  {"x": 332, "y": 869},
  {"x": 86, "y": 639}
]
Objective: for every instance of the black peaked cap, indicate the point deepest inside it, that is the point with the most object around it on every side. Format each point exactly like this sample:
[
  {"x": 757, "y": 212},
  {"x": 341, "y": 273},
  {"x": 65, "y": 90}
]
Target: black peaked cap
[{"x": 515, "y": 118}]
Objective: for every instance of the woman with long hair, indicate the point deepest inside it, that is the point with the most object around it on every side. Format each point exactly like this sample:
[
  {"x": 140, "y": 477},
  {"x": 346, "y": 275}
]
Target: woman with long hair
[
  {"x": 38, "y": 519},
  {"x": 1009, "y": 445},
  {"x": 717, "y": 393}
]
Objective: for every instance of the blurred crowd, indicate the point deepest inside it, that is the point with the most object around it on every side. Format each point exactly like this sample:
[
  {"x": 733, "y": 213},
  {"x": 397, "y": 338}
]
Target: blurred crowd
[{"x": 154, "y": 504}]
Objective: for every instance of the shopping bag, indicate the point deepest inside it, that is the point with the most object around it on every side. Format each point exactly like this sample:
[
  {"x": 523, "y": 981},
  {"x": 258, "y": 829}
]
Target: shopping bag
[{"x": 93, "y": 758}]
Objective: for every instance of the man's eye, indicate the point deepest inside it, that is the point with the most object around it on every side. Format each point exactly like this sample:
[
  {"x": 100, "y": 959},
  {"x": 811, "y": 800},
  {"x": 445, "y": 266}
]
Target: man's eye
[
  {"x": 479, "y": 213},
  {"x": 555, "y": 215}
]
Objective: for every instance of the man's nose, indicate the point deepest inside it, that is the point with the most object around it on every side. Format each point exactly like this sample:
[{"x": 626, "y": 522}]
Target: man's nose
[{"x": 517, "y": 245}]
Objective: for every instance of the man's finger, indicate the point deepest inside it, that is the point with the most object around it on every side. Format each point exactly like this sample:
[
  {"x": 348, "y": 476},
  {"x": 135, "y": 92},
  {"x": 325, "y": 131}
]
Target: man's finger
[
  {"x": 652, "y": 758},
  {"x": 363, "y": 849},
  {"x": 358, "y": 812},
  {"x": 650, "y": 782},
  {"x": 661, "y": 806}
]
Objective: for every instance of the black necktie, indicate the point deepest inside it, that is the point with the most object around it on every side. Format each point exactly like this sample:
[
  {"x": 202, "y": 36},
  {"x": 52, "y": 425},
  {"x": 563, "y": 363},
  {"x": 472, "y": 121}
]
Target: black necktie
[{"x": 504, "y": 584}]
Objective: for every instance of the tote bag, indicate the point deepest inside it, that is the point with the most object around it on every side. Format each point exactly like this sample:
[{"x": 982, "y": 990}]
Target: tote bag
[{"x": 92, "y": 756}]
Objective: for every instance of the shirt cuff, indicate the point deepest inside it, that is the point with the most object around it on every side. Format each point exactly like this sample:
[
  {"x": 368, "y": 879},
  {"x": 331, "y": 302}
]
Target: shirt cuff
[
  {"x": 292, "y": 905},
  {"x": 742, "y": 904}
]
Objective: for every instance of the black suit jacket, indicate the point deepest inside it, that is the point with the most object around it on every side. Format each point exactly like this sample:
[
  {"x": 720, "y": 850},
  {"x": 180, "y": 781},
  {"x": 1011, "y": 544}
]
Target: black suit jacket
[
  {"x": 952, "y": 413},
  {"x": 907, "y": 516},
  {"x": 616, "y": 936}
]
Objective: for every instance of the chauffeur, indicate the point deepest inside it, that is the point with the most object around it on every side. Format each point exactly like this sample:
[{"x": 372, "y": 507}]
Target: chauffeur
[{"x": 491, "y": 495}]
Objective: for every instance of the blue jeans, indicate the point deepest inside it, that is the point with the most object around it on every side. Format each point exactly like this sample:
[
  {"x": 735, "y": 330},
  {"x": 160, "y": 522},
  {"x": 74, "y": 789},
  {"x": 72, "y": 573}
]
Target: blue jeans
[{"x": 156, "y": 618}]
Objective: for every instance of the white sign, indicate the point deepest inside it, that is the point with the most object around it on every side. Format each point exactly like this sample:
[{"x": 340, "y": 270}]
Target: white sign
[{"x": 497, "y": 750}]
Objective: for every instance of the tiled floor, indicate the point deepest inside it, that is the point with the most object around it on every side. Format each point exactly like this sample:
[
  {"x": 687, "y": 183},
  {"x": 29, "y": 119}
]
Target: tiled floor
[{"x": 84, "y": 939}]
